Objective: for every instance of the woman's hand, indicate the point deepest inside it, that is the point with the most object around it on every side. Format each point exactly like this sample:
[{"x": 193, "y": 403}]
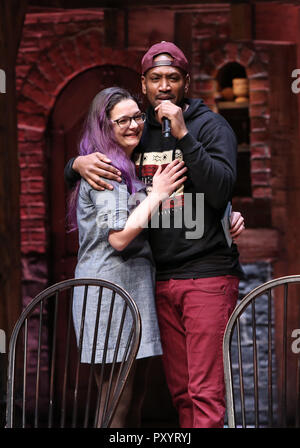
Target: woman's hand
[
  {"x": 237, "y": 224},
  {"x": 166, "y": 181},
  {"x": 94, "y": 165}
]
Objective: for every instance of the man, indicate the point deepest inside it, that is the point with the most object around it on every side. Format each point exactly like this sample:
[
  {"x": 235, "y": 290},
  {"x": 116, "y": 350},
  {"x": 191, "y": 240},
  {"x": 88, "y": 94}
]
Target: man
[{"x": 197, "y": 270}]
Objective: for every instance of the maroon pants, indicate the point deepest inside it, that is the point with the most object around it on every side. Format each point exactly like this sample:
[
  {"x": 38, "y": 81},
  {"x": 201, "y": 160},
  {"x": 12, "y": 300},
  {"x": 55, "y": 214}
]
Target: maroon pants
[{"x": 192, "y": 317}]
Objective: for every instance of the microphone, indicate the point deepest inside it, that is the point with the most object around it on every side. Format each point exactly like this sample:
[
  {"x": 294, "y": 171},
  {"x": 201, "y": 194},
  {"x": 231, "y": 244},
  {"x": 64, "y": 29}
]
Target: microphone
[{"x": 166, "y": 127}]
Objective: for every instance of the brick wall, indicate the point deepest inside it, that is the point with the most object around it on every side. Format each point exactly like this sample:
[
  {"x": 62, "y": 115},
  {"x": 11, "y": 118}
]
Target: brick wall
[
  {"x": 54, "y": 48},
  {"x": 212, "y": 50}
]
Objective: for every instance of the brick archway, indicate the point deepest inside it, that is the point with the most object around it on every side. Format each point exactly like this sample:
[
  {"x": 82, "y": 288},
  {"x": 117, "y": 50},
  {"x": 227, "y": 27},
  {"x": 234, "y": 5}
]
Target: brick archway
[
  {"x": 58, "y": 65},
  {"x": 53, "y": 70}
]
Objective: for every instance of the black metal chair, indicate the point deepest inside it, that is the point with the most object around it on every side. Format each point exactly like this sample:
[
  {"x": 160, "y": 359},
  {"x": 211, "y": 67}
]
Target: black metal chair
[
  {"x": 48, "y": 385},
  {"x": 262, "y": 372}
]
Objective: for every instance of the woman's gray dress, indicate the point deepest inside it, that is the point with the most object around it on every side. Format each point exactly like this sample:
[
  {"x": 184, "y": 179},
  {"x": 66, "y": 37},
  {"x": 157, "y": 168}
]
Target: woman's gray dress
[{"x": 98, "y": 212}]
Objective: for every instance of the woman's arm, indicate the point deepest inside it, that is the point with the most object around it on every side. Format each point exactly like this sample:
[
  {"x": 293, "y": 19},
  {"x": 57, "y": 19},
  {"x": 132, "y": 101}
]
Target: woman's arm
[{"x": 164, "y": 183}]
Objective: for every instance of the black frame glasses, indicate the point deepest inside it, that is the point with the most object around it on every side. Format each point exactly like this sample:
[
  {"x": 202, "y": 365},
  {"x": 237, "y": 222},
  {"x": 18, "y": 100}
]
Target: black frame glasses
[{"x": 125, "y": 122}]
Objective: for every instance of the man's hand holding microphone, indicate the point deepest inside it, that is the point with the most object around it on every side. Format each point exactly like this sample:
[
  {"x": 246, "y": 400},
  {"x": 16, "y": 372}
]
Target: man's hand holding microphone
[{"x": 171, "y": 116}]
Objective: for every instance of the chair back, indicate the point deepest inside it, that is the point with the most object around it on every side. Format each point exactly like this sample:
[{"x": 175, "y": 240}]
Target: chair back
[
  {"x": 261, "y": 353},
  {"x": 48, "y": 385}
]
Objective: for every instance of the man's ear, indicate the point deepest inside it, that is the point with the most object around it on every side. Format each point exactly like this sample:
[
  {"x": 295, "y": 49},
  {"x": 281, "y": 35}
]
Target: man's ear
[
  {"x": 187, "y": 83},
  {"x": 143, "y": 81}
]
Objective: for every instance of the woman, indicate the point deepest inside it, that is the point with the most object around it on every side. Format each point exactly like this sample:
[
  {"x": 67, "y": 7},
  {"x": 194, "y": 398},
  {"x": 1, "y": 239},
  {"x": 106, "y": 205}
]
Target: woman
[{"x": 114, "y": 246}]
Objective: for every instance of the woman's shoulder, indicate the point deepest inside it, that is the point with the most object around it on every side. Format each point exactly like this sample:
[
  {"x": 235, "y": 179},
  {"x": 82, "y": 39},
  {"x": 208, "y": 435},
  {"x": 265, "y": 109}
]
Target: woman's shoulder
[
  {"x": 87, "y": 188},
  {"x": 106, "y": 197}
]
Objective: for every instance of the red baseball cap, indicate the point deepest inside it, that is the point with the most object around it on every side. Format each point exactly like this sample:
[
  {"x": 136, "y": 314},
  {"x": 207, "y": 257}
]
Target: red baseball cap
[{"x": 179, "y": 59}]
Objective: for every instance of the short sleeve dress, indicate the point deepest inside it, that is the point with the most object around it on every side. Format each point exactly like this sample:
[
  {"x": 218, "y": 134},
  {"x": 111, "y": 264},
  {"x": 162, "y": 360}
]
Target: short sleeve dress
[{"x": 133, "y": 269}]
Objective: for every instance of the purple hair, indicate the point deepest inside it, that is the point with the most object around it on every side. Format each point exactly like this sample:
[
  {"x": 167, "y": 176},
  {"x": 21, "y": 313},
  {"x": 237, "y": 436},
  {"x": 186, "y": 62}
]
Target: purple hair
[{"x": 98, "y": 135}]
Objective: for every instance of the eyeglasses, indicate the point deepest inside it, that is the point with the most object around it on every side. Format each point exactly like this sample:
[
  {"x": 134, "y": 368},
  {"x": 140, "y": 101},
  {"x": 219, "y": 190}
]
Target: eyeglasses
[{"x": 125, "y": 122}]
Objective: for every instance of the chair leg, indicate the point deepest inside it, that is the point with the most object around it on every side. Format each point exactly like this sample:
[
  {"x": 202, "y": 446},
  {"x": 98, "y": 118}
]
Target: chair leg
[
  {"x": 128, "y": 412},
  {"x": 119, "y": 419}
]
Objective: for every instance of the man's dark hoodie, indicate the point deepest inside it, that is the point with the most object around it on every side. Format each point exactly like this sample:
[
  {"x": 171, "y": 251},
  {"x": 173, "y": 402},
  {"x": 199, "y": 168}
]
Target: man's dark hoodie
[{"x": 209, "y": 151}]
